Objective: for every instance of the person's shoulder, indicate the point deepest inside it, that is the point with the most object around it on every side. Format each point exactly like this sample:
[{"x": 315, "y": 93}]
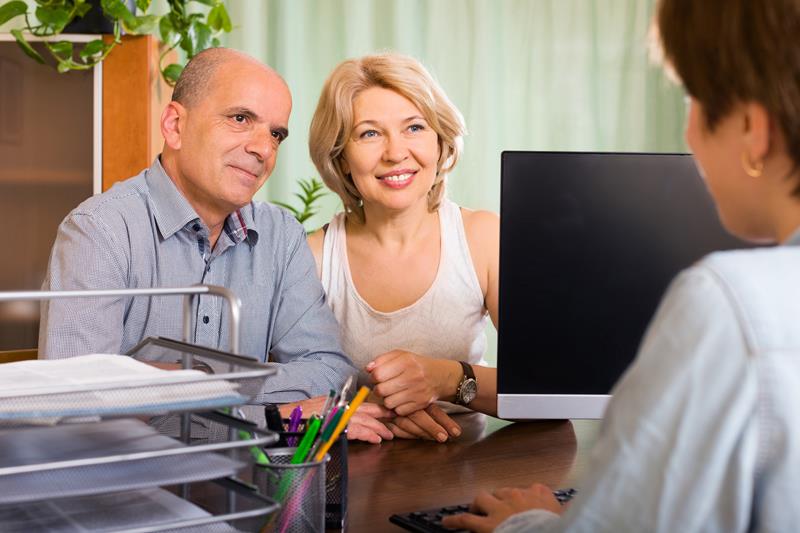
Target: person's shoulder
[
  {"x": 125, "y": 199},
  {"x": 762, "y": 284},
  {"x": 316, "y": 240},
  {"x": 277, "y": 222},
  {"x": 481, "y": 227}
]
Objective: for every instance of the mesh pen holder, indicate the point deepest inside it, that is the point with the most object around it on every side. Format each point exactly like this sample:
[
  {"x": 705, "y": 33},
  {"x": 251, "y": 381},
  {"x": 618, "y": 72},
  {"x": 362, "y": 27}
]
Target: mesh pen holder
[
  {"x": 335, "y": 476},
  {"x": 298, "y": 488}
]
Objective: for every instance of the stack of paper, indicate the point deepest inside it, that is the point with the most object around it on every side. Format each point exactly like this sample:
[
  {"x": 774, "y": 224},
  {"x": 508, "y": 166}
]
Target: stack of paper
[{"x": 105, "y": 385}]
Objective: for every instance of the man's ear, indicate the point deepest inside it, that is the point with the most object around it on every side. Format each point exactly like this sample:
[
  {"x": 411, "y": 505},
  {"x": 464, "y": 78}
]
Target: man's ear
[
  {"x": 173, "y": 120},
  {"x": 758, "y": 132}
]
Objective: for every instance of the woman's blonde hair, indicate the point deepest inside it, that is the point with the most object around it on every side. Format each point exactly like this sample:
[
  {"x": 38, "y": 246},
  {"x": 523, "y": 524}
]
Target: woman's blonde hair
[{"x": 333, "y": 120}]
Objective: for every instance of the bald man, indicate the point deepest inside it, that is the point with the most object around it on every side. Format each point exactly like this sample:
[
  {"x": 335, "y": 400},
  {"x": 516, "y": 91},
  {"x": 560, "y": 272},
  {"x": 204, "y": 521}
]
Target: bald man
[{"x": 190, "y": 218}]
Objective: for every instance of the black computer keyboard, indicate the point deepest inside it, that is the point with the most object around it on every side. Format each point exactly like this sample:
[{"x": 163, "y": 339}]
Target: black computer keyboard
[{"x": 430, "y": 521}]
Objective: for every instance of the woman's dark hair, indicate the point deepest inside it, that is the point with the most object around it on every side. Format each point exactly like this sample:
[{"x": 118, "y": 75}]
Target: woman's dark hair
[{"x": 730, "y": 51}]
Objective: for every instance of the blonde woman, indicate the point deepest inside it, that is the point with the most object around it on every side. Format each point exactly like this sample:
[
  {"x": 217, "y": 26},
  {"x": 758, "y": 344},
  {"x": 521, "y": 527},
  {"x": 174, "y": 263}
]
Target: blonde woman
[{"x": 410, "y": 276}]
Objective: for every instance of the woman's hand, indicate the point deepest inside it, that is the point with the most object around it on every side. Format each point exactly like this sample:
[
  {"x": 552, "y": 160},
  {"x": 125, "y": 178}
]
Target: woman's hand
[
  {"x": 408, "y": 382},
  {"x": 431, "y": 424},
  {"x": 366, "y": 424},
  {"x": 494, "y": 508}
]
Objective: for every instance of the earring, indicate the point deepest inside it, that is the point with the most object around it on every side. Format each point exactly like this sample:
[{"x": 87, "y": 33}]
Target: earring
[{"x": 752, "y": 170}]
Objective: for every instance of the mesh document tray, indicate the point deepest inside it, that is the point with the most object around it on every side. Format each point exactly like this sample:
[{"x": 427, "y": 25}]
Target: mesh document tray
[
  {"x": 144, "y": 510},
  {"x": 71, "y": 460},
  {"x": 235, "y": 382},
  {"x": 124, "y": 392}
]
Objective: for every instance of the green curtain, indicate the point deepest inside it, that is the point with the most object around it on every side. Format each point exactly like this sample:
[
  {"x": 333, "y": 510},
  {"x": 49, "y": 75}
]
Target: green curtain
[{"x": 527, "y": 74}]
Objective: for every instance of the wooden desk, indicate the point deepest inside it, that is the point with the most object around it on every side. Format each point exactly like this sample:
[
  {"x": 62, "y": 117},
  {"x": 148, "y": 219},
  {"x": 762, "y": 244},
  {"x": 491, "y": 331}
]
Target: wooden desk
[{"x": 402, "y": 476}]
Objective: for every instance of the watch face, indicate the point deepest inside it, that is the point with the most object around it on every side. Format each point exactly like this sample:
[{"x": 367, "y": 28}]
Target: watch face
[{"x": 469, "y": 390}]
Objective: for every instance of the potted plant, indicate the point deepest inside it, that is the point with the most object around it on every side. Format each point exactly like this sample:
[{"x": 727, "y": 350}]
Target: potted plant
[{"x": 179, "y": 27}]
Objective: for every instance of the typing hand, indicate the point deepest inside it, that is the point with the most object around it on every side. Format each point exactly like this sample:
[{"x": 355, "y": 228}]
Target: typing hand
[
  {"x": 431, "y": 424},
  {"x": 494, "y": 508},
  {"x": 408, "y": 382},
  {"x": 365, "y": 424}
]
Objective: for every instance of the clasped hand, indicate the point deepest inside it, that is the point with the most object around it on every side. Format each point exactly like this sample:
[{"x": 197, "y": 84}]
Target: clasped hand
[
  {"x": 374, "y": 423},
  {"x": 405, "y": 385},
  {"x": 407, "y": 382}
]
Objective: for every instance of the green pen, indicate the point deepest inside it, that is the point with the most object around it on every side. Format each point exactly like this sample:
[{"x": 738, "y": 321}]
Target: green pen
[
  {"x": 258, "y": 454},
  {"x": 305, "y": 445},
  {"x": 328, "y": 431}
]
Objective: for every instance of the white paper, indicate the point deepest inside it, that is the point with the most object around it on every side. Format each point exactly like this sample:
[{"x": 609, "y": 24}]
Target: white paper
[{"x": 104, "y": 384}]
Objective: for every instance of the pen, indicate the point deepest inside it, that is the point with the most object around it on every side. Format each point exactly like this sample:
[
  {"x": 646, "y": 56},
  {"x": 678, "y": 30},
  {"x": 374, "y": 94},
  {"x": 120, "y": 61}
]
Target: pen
[
  {"x": 357, "y": 401},
  {"x": 273, "y": 416},
  {"x": 328, "y": 404},
  {"x": 327, "y": 430},
  {"x": 305, "y": 444},
  {"x": 294, "y": 423},
  {"x": 258, "y": 454}
]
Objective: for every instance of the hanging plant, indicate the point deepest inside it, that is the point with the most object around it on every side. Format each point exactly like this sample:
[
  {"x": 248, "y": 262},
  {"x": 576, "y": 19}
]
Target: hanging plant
[{"x": 192, "y": 32}]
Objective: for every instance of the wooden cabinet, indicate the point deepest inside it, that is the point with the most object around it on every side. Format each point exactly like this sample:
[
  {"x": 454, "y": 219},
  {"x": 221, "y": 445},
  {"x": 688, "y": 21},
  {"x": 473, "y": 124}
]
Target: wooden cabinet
[
  {"x": 133, "y": 95},
  {"x": 64, "y": 137}
]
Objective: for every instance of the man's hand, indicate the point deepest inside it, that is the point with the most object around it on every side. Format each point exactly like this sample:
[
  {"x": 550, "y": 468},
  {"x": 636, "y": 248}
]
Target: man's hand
[
  {"x": 494, "y": 508},
  {"x": 310, "y": 406},
  {"x": 431, "y": 424},
  {"x": 366, "y": 424},
  {"x": 408, "y": 382}
]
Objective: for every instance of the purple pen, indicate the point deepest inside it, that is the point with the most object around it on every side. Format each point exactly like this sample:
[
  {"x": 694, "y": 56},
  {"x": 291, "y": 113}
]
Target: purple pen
[{"x": 294, "y": 424}]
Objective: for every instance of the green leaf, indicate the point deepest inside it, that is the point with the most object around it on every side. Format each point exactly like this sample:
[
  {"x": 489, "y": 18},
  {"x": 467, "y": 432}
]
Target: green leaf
[
  {"x": 226, "y": 19},
  {"x": 209, "y": 3},
  {"x": 291, "y": 209},
  {"x": 118, "y": 10},
  {"x": 218, "y": 19},
  {"x": 81, "y": 8},
  {"x": 92, "y": 48},
  {"x": 214, "y": 19},
  {"x": 63, "y": 66},
  {"x": 165, "y": 29},
  {"x": 53, "y": 17},
  {"x": 144, "y": 24},
  {"x": 202, "y": 37},
  {"x": 143, "y": 5},
  {"x": 63, "y": 49},
  {"x": 12, "y": 9},
  {"x": 172, "y": 73},
  {"x": 26, "y": 47}
]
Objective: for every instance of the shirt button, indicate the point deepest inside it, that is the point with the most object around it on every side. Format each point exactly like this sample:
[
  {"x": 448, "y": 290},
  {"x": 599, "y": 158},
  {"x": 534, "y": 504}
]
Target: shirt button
[
  {"x": 196, "y": 226},
  {"x": 205, "y": 319}
]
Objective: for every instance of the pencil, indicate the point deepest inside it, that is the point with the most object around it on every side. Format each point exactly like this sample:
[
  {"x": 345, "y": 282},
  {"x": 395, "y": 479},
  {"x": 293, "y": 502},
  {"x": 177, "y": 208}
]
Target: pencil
[{"x": 357, "y": 401}]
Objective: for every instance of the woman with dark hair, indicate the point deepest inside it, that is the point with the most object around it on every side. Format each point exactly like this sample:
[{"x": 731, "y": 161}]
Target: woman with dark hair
[{"x": 702, "y": 433}]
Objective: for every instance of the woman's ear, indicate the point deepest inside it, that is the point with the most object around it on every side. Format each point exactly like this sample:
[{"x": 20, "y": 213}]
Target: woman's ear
[
  {"x": 757, "y": 131},
  {"x": 172, "y": 122},
  {"x": 344, "y": 165}
]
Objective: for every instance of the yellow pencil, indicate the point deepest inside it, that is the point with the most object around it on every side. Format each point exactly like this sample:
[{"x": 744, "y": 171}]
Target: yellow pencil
[{"x": 358, "y": 400}]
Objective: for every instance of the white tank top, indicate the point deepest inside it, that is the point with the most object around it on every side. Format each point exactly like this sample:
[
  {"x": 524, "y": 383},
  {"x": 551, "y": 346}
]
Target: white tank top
[{"x": 447, "y": 322}]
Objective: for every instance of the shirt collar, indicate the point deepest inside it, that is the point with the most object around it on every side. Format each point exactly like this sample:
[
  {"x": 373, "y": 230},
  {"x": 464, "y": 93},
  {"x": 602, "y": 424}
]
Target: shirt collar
[
  {"x": 240, "y": 225},
  {"x": 173, "y": 211}
]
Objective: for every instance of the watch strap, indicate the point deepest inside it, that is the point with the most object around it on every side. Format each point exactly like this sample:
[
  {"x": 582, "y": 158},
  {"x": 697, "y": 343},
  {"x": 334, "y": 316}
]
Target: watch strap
[{"x": 469, "y": 374}]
